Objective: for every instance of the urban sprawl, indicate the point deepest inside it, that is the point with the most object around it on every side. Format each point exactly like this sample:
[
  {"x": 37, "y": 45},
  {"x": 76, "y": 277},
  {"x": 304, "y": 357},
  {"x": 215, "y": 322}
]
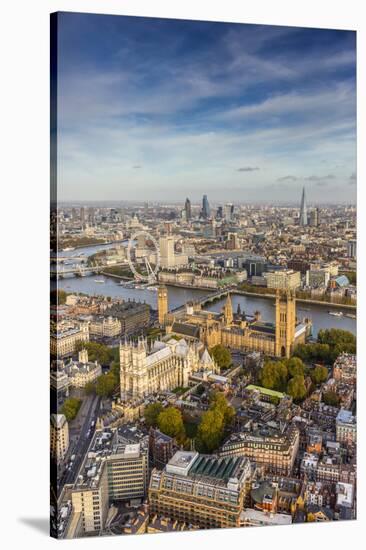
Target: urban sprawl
[{"x": 183, "y": 416}]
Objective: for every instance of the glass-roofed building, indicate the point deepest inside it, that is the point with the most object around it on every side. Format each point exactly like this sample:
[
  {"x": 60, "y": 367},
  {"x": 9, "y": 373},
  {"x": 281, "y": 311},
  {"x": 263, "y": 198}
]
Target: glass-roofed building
[{"x": 200, "y": 490}]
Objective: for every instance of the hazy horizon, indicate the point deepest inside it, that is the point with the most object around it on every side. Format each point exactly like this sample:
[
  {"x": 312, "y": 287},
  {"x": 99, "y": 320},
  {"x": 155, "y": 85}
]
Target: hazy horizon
[{"x": 155, "y": 110}]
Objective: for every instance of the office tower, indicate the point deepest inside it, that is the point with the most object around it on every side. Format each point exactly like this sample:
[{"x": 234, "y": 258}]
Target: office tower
[
  {"x": 314, "y": 217},
  {"x": 228, "y": 212},
  {"x": 188, "y": 209},
  {"x": 286, "y": 279},
  {"x": 205, "y": 207},
  {"x": 91, "y": 213},
  {"x": 82, "y": 215},
  {"x": 201, "y": 490},
  {"x": 219, "y": 213},
  {"x": 167, "y": 254},
  {"x": 114, "y": 470},
  {"x": 303, "y": 210},
  {"x": 59, "y": 436},
  {"x": 352, "y": 248}
]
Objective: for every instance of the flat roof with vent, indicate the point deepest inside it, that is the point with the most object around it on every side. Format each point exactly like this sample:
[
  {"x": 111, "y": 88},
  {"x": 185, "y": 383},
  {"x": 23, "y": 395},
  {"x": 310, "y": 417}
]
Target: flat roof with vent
[{"x": 181, "y": 462}]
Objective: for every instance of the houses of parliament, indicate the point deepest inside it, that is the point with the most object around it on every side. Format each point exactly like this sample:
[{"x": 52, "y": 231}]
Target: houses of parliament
[{"x": 238, "y": 331}]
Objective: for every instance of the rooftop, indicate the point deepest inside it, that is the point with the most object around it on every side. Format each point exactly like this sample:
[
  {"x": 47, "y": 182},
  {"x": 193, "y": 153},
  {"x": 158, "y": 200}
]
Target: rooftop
[
  {"x": 346, "y": 417},
  {"x": 219, "y": 468},
  {"x": 265, "y": 391}
]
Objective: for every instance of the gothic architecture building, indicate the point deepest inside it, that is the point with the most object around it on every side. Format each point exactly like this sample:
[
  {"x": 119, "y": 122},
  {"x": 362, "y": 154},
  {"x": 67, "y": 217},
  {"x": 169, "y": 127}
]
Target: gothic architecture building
[
  {"x": 239, "y": 331},
  {"x": 163, "y": 366},
  {"x": 162, "y": 303}
]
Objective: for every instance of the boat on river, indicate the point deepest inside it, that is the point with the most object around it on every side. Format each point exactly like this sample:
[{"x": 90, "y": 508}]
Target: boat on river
[
  {"x": 351, "y": 315},
  {"x": 335, "y": 313}
]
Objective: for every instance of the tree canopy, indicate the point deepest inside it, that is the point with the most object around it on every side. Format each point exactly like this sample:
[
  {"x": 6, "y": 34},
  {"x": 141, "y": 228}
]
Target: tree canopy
[
  {"x": 218, "y": 402},
  {"x": 170, "y": 422},
  {"x": 331, "y": 398},
  {"x": 287, "y": 375},
  {"x": 151, "y": 414},
  {"x": 330, "y": 344},
  {"x": 105, "y": 385},
  {"x": 210, "y": 430},
  {"x": 99, "y": 352},
  {"x": 221, "y": 355},
  {"x": 274, "y": 375},
  {"x": 319, "y": 374},
  {"x": 296, "y": 387},
  {"x": 70, "y": 408},
  {"x": 295, "y": 366},
  {"x": 213, "y": 423}
]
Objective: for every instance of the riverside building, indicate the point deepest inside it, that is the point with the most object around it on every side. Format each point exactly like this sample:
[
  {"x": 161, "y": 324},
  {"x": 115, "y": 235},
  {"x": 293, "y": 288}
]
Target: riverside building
[{"x": 242, "y": 332}]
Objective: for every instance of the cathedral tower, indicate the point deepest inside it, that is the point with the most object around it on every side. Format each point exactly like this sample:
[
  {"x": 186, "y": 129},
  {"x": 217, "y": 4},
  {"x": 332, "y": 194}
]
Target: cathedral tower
[
  {"x": 285, "y": 323},
  {"x": 162, "y": 304}
]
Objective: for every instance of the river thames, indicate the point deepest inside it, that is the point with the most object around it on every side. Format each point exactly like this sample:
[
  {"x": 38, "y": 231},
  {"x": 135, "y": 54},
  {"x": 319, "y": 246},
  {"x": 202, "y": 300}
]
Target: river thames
[{"x": 178, "y": 296}]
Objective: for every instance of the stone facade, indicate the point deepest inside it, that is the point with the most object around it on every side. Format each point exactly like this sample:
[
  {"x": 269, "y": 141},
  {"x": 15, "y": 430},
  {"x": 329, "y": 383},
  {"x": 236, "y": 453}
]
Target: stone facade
[
  {"x": 238, "y": 331},
  {"x": 164, "y": 366}
]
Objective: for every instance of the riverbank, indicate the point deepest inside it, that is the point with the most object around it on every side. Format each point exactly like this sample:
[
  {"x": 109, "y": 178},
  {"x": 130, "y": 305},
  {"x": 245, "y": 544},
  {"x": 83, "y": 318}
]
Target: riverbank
[
  {"x": 245, "y": 293},
  {"x": 119, "y": 277},
  {"x": 89, "y": 245},
  {"x": 300, "y": 300}
]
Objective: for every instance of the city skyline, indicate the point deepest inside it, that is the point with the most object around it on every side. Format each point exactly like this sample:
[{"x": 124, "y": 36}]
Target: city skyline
[{"x": 164, "y": 105}]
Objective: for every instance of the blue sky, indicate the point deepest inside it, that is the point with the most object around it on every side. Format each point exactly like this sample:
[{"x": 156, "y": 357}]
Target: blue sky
[{"x": 157, "y": 109}]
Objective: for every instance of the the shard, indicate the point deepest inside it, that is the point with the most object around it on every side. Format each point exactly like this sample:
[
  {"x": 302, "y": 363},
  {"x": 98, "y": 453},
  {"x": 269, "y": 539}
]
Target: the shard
[{"x": 303, "y": 210}]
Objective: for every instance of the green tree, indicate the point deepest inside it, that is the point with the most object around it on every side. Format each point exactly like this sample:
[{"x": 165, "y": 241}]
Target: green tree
[
  {"x": 105, "y": 385},
  {"x": 319, "y": 374},
  {"x": 97, "y": 352},
  {"x": 218, "y": 402},
  {"x": 335, "y": 336},
  {"x": 296, "y": 388},
  {"x": 210, "y": 430},
  {"x": 221, "y": 355},
  {"x": 295, "y": 366},
  {"x": 331, "y": 398},
  {"x": 70, "y": 408},
  {"x": 274, "y": 375},
  {"x": 151, "y": 414},
  {"x": 115, "y": 370},
  {"x": 170, "y": 422},
  {"x": 328, "y": 348}
]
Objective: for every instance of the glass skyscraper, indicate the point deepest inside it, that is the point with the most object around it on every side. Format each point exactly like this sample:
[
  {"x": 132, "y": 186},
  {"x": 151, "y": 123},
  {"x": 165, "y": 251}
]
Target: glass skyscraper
[
  {"x": 205, "y": 207},
  {"x": 303, "y": 210}
]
